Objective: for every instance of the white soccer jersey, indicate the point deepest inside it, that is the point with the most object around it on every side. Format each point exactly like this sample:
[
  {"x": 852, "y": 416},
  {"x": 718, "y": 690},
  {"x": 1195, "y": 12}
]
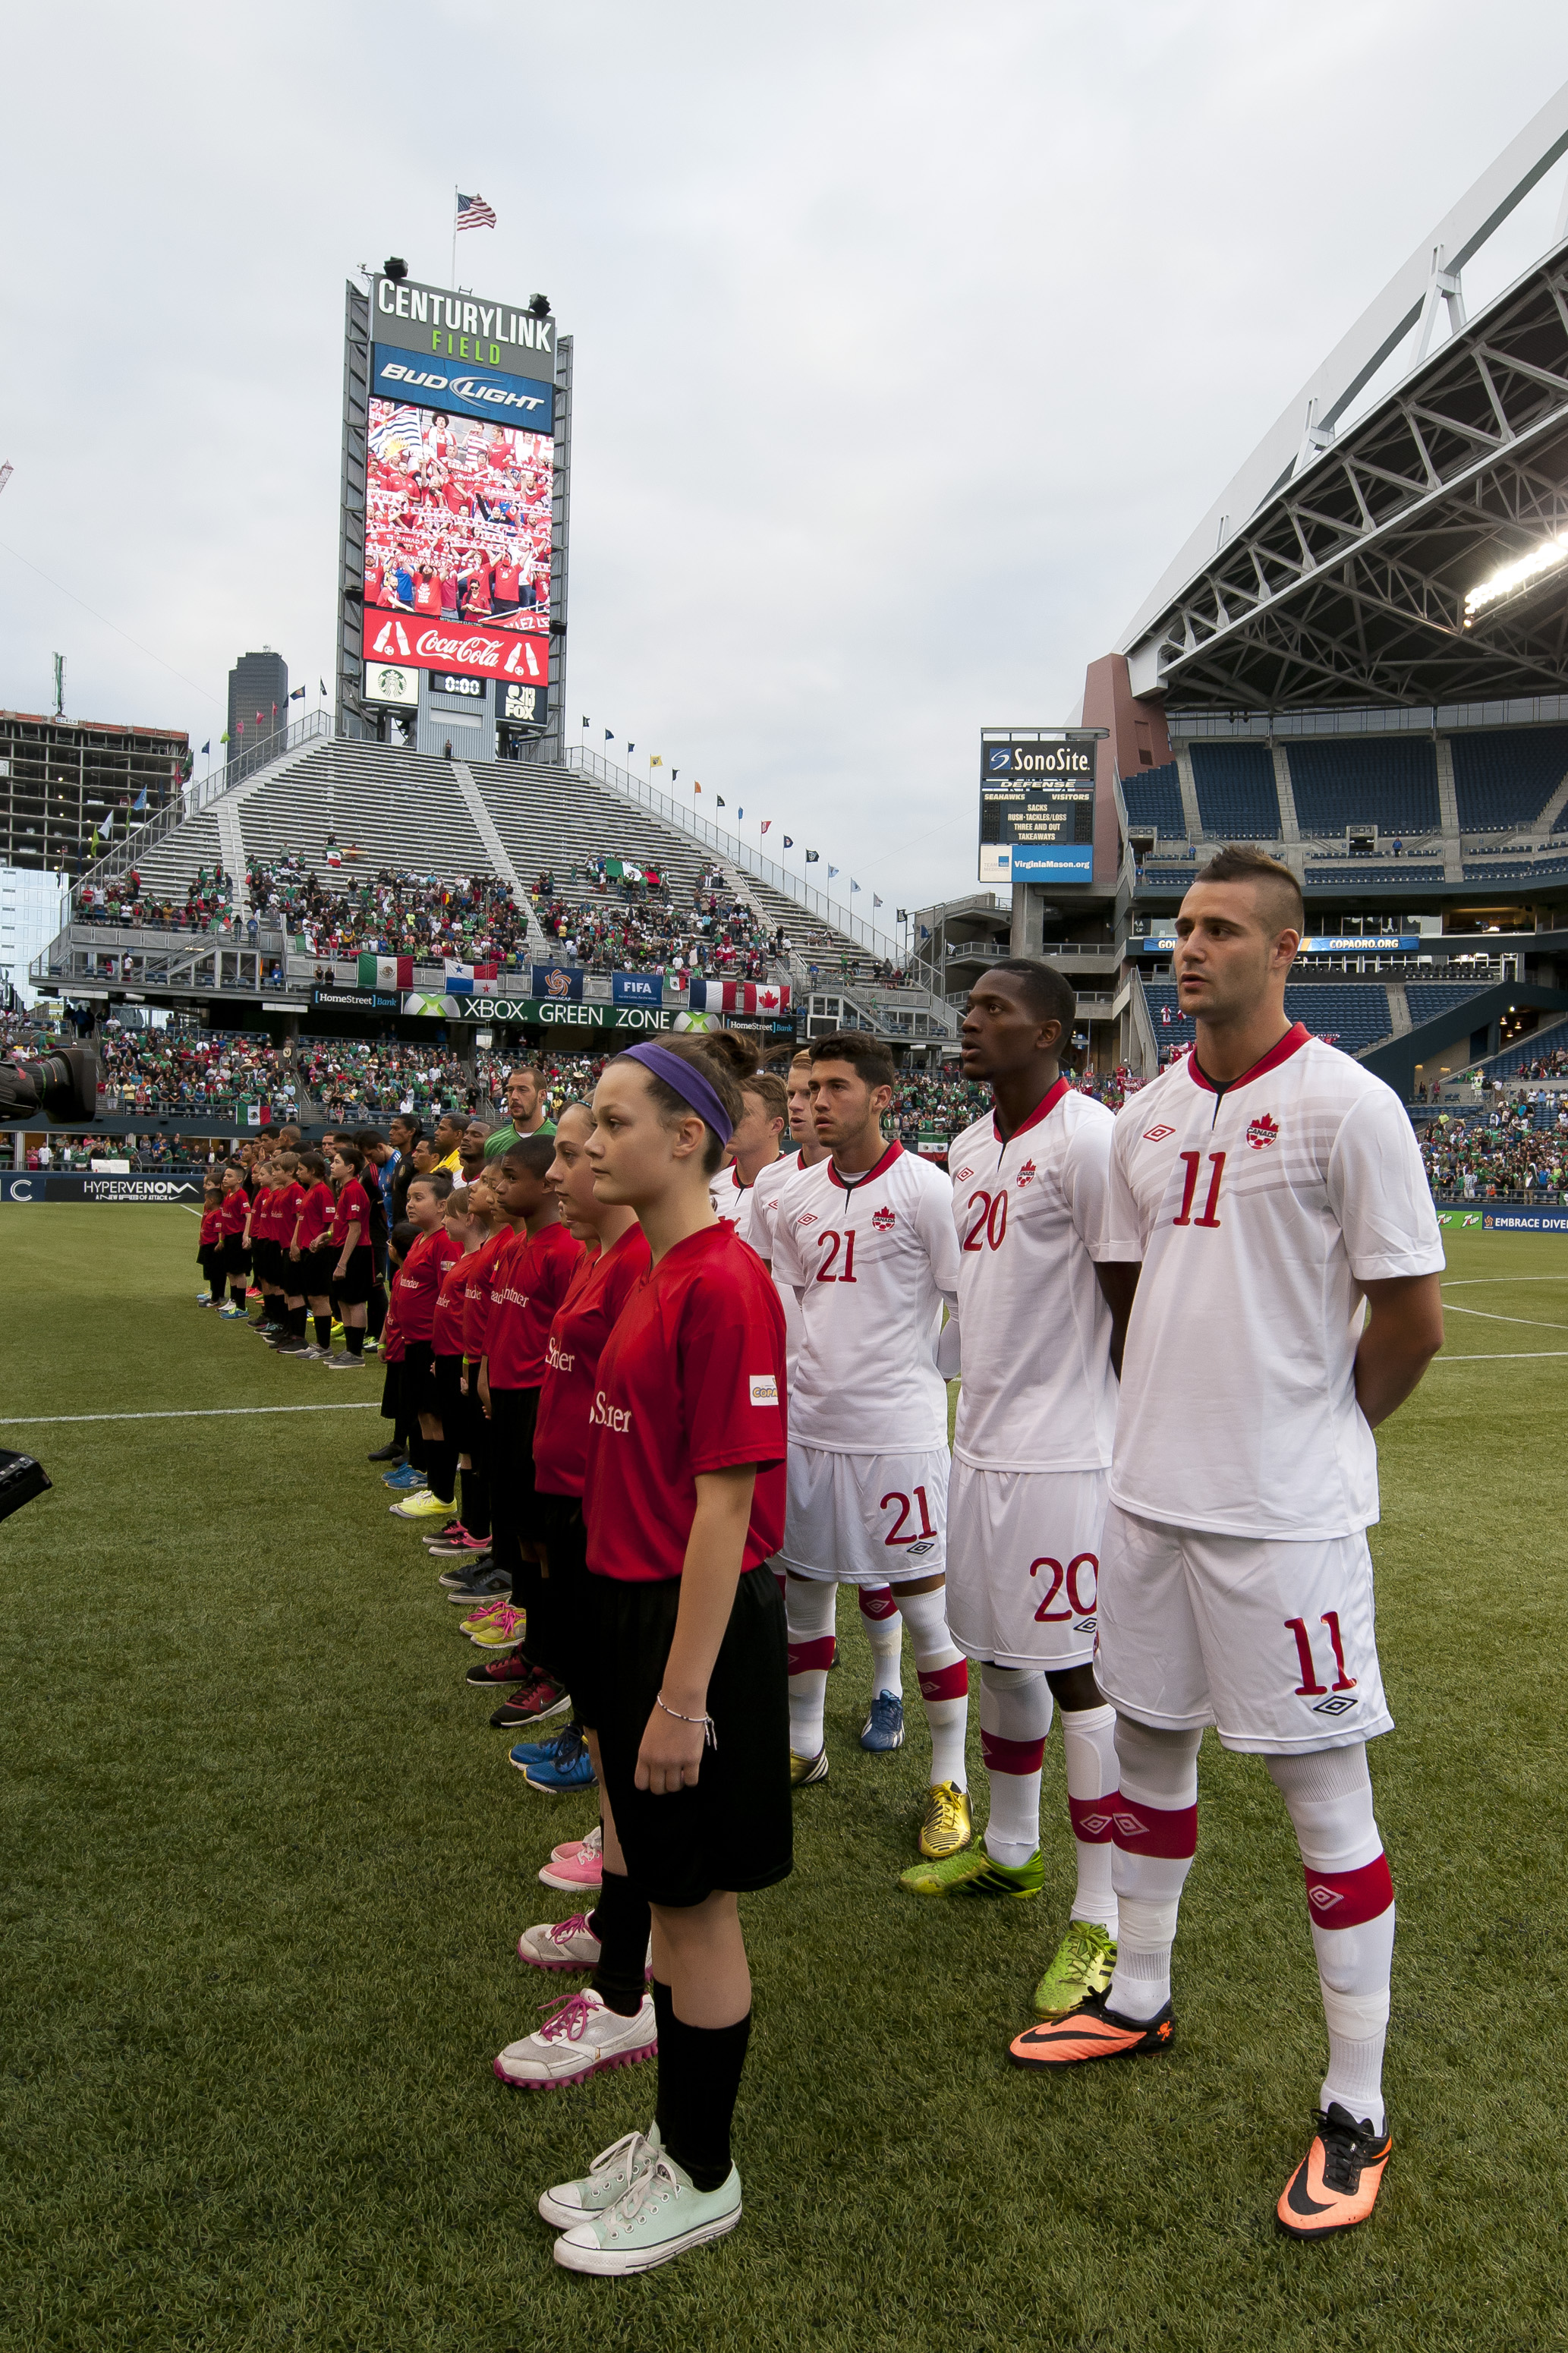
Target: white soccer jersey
[
  {"x": 1038, "y": 1392},
  {"x": 1258, "y": 1212},
  {"x": 870, "y": 1260},
  {"x": 767, "y": 1191},
  {"x": 732, "y": 1200}
]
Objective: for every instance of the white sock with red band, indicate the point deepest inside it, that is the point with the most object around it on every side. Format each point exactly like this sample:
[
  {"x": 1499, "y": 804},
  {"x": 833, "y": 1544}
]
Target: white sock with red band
[
  {"x": 1088, "y": 1742},
  {"x": 1015, "y": 1719},
  {"x": 1155, "y": 1833},
  {"x": 1350, "y": 1897},
  {"x": 809, "y": 1605},
  {"x": 944, "y": 1681},
  {"x": 885, "y": 1632}
]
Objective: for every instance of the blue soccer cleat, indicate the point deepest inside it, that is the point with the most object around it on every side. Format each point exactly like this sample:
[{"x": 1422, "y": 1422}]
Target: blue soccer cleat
[{"x": 884, "y": 1727}]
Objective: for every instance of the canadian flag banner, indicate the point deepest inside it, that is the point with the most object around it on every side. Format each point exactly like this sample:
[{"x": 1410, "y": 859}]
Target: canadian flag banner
[
  {"x": 767, "y": 996},
  {"x": 386, "y": 972},
  {"x": 739, "y": 996},
  {"x": 461, "y": 977}
]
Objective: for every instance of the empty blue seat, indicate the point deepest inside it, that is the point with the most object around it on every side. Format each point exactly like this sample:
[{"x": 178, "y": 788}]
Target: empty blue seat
[
  {"x": 1389, "y": 781},
  {"x": 1153, "y": 797},
  {"x": 1506, "y": 778},
  {"x": 1236, "y": 798}
]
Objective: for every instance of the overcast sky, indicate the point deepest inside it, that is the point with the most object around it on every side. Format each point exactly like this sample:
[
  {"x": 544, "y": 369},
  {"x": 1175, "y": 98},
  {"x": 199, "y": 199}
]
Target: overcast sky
[{"x": 911, "y": 341}]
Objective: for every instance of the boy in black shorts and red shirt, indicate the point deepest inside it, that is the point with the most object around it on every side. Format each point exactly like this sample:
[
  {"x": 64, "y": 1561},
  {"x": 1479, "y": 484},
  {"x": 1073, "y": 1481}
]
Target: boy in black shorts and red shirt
[
  {"x": 209, "y": 1245},
  {"x": 684, "y": 1489},
  {"x": 232, "y": 1213},
  {"x": 309, "y": 1249},
  {"x": 416, "y": 1288},
  {"x": 350, "y": 1257}
]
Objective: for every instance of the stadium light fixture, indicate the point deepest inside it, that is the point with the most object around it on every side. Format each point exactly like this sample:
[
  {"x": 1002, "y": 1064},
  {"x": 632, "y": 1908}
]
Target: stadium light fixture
[
  {"x": 1517, "y": 575},
  {"x": 395, "y": 268}
]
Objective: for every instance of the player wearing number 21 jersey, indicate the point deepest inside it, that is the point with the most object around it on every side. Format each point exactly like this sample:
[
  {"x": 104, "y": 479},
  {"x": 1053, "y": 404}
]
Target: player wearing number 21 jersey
[
  {"x": 1268, "y": 1191},
  {"x": 866, "y": 1241}
]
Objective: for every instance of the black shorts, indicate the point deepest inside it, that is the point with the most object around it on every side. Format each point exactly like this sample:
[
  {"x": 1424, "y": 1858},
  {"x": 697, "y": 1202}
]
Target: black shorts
[
  {"x": 352, "y": 1288},
  {"x": 735, "y": 1830},
  {"x": 264, "y": 1258},
  {"x": 235, "y": 1256},
  {"x": 448, "y": 1399},
  {"x": 514, "y": 1413},
  {"x": 418, "y": 1379},
  {"x": 210, "y": 1261},
  {"x": 392, "y": 1392},
  {"x": 315, "y": 1270},
  {"x": 568, "y": 1636}
]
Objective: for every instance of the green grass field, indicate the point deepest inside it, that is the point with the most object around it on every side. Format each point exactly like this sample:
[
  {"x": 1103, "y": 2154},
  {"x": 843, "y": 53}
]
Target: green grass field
[{"x": 265, "y": 1866}]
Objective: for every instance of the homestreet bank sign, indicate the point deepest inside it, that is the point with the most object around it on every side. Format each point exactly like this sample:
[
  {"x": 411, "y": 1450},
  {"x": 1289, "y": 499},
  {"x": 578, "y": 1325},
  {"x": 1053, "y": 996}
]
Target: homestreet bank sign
[{"x": 546, "y": 1012}]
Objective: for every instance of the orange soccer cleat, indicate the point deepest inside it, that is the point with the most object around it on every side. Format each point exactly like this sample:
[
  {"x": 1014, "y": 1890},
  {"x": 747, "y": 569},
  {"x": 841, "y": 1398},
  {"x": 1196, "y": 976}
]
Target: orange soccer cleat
[
  {"x": 1092, "y": 2031},
  {"x": 1336, "y": 2184}
]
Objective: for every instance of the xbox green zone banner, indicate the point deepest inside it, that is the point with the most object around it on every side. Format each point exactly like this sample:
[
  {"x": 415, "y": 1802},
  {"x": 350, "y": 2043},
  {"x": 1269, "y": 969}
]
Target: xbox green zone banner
[{"x": 550, "y": 1012}]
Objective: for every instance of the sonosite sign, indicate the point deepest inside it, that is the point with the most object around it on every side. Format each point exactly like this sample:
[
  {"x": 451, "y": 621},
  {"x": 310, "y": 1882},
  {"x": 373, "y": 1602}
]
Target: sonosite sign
[
  {"x": 1036, "y": 804},
  {"x": 458, "y": 485}
]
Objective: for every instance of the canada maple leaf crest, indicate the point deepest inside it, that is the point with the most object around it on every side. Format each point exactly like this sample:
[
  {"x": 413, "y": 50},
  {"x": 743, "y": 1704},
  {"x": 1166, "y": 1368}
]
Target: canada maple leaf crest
[
  {"x": 1263, "y": 1132},
  {"x": 1027, "y": 1173},
  {"x": 883, "y": 1220}
]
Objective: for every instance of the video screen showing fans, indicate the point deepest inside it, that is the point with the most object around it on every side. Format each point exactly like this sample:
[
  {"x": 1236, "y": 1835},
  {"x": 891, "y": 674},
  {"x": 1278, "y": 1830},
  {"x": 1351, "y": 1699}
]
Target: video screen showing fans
[{"x": 457, "y": 518}]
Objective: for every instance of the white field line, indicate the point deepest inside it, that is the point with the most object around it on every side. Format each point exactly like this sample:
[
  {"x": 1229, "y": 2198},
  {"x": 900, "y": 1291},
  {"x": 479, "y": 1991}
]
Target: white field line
[
  {"x": 1478, "y": 1282},
  {"x": 183, "y": 1413},
  {"x": 1507, "y": 1356},
  {"x": 1486, "y": 1316}
]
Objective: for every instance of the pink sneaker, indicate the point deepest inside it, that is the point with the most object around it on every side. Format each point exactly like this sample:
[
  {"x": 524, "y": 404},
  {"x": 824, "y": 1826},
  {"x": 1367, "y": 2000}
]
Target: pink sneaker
[{"x": 578, "y": 1865}]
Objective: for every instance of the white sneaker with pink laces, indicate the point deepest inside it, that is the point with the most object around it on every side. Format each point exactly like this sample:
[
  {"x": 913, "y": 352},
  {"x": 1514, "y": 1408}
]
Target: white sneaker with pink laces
[
  {"x": 561, "y": 1945},
  {"x": 581, "y": 2038}
]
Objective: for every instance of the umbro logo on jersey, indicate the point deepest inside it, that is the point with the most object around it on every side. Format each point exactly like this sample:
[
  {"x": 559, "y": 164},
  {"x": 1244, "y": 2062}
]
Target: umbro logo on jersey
[
  {"x": 1157, "y": 1135},
  {"x": 1130, "y": 1825},
  {"x": 962, "y": 1174},
  {"x": 1027, "y": 1173},
  {"x": 883, "y": 1220},
  {"x": 808, "y": 1218},
  {"x": 1335, "y": 1706},
  {"x": 1262, "y": 1133},
  {"x": 1322, "y": 1898},
  {"x": 1096, "y": 1825},
  {"x": 918, "y": 1551}
]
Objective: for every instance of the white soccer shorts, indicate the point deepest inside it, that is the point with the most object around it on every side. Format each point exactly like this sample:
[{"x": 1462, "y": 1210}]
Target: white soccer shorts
[
  {"x": 1022, "y": 1564},
  {"x": 865, "y": 1519},
  {"x": 1274, "y": 1643}
]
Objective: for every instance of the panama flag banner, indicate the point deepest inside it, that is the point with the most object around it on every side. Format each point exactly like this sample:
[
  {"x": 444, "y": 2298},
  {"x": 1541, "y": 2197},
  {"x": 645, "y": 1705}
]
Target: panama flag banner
[
  {"x": 386, "y": 972},
  {"x": 461, "y": 977}
]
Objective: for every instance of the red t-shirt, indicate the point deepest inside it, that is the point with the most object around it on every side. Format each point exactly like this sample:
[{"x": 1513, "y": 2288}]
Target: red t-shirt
[
  {"x": 428, "y": 597},
  {"x": 392, "y": 1340},
  {"x": 600, "y": 1289},
  {"x": 691, "y": 1379},
  {"x": 315, "y": 1213},
  {"x": 418, "y": 1280},
  {"x": 352, "y": 1204},
  {"x": 506, "y": 578},
  {"x": 234, "y": 1210},
  {"x": 477, "y": 1291},
  {"x": 479, "y": 592},
  {"x": 261, "y": 1215},
  {"x": 285, "y": 1205},
  {"x": 211, "y": 1228},
  {"x": 446, "y": 1334},
  {"x": 527, "y": 1285}
]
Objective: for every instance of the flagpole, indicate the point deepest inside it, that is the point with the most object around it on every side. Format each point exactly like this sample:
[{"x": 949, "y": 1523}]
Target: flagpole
[{"x": 453, "y": 280}]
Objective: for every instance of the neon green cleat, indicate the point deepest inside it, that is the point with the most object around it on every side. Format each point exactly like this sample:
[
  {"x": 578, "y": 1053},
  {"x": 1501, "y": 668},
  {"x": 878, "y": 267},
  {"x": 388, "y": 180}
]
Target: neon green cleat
[
  {"x": 1085, "y": 1959},
  {"x": 975, "y": 1874}
]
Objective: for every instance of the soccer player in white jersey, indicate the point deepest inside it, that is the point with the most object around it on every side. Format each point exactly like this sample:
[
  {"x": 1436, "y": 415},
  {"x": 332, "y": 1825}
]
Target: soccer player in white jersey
[
  {"x": 1036, "y": 1413},
  {"x": 866, "y": 1240},
  {"x": 753, "y": 1147},
  {"x": 1266, "y": 1193},
  {"x": 883, "y": 1729}
]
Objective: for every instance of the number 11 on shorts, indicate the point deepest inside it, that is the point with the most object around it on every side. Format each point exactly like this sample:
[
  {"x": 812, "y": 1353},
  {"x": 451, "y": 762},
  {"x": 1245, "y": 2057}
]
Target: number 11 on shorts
[{"x": 1309, "y": 1687}]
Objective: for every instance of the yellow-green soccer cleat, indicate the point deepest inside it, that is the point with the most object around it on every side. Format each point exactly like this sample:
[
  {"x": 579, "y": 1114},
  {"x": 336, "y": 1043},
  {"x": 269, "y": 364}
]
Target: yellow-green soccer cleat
[
  {"x": 948, "y": 1825},
  {"x": 804, "y": 1770},
  {"x": 1085, "y": 1959},
  {"x": 975, "y": 1874}
]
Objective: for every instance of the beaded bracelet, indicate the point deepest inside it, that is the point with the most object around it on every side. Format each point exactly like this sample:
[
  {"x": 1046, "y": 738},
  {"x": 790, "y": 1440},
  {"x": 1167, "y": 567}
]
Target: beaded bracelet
[{"x": 709, "y": 1737}]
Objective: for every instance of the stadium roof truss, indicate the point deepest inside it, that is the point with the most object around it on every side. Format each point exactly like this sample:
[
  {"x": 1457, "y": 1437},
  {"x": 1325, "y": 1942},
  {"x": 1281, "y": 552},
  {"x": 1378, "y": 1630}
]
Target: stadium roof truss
[{"x": 1347, "y": 582}]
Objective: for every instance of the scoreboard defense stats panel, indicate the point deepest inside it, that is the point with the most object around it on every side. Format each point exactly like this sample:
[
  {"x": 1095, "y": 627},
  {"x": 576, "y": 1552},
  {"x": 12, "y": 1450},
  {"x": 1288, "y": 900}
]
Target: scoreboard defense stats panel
[{"x": 1036, "y": 805}]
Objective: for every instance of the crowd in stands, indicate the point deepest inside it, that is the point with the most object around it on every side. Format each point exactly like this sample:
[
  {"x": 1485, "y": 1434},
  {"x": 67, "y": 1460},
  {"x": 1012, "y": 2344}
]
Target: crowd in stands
[
  {"x": 474, "y": 918},
  {"x": 206, "y": 905},
  {"x": 1505, "y": 1155},
  {"x": 1554, "y": 1065},
  {"x": 637, "y": 922}
]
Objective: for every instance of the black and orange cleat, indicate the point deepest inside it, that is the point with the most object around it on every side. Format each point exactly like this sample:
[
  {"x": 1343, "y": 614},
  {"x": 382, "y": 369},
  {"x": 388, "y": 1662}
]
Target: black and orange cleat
[
  {"x": 1336, "y": 2184},
  {"x": 1092, "y": 2031}
]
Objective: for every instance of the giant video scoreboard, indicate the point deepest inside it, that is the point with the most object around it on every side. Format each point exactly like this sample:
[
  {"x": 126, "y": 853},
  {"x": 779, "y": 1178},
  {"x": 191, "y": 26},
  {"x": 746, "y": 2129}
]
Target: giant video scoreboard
[{"x": 1036, "y": 804}]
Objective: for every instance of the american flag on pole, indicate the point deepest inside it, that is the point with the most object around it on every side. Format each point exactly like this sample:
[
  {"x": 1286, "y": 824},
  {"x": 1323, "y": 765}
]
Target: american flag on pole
[{"x": 474, "y": 213}]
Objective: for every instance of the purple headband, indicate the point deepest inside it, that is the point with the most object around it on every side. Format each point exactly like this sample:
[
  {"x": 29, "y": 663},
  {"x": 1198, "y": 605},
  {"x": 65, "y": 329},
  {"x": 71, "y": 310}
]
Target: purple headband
[{"x": 688, "y": 1081}]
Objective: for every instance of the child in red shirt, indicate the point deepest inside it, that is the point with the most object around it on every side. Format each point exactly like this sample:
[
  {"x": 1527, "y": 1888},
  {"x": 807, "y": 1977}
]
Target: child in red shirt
[
  {"x": 416, "y": 1288},
  {"x": 307, "y": 1248}
]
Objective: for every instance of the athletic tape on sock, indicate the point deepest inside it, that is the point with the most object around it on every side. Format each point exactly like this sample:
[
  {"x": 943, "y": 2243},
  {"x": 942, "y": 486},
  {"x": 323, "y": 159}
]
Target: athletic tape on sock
[{"x": 1357, "y": 2016}]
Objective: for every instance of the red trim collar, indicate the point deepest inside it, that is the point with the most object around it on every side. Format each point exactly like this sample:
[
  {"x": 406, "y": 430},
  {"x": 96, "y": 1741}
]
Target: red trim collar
[
  {"x": 1042, "y": 1110},
  {"x": 1292, "y": 1043},
  {"x": 893, "y": 1152}
]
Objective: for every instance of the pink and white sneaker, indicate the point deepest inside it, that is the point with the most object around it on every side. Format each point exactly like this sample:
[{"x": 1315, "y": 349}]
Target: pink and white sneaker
[
  {"x": 577, "y": 1867},
  {"x": 561, "y": 1945},
  {"x": 580, "y": 2039}
]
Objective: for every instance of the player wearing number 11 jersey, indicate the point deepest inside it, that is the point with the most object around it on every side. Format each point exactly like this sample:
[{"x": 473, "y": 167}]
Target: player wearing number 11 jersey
[{"x": 1263, "y": 1194}]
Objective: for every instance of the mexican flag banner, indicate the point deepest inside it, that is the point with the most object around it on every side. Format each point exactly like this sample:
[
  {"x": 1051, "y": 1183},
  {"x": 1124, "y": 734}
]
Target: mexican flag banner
[{"x": 386, "y": 972}]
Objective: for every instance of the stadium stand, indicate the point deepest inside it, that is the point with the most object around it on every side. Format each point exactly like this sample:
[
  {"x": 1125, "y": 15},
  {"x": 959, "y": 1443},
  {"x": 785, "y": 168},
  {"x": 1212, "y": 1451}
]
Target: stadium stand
[
  {"x": 1154, "y": 798},
  {"x": 1348, "y": 1013},
  {"x": 1543, "y": 1055},
  {"x": 1348, "y": 874},
  {"x": 1388, "y": 781},
  {"x": 1160, "y": 875},
  {"x": 1236, "y": 796},
  {"x": 1506, "y": 778},
  {"x": 1492, "y": 869},
  {"x": 1427, "y": 998}
]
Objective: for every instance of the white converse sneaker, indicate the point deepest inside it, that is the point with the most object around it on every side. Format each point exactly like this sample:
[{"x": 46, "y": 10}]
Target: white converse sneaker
[
  {"x": 561, "y": 1945},
  {"x": 582, "y": 2037},
  {"x": 660, "y": 2215},
  {"x": 609, "y": 2176}
]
